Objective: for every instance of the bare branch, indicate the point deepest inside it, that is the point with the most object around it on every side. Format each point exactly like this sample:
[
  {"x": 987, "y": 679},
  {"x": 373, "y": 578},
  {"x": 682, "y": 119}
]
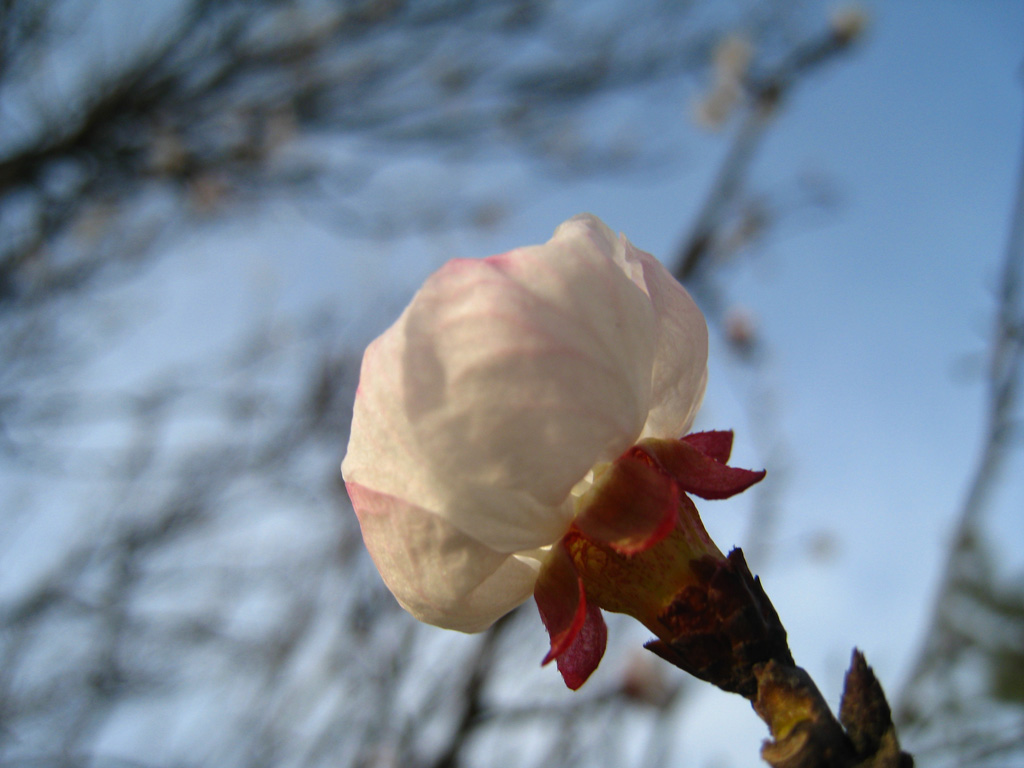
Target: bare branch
[{"x": 949, "y": 637}]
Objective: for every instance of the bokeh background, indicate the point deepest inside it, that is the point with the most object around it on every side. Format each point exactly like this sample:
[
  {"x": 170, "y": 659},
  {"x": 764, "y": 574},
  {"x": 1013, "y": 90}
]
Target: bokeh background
[{"x": 207, "y": 209}]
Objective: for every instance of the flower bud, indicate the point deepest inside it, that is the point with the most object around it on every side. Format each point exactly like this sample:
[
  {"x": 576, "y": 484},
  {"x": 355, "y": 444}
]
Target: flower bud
[
  {"x": 516, "y": 431},
  {"x": 849, "y": 23}
]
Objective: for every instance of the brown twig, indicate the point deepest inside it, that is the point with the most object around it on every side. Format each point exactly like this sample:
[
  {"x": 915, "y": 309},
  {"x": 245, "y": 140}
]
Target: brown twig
[{"x": 734, "y": 639}]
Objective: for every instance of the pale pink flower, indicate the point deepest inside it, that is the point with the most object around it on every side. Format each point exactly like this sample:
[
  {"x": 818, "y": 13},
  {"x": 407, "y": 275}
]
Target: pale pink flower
[{"x": 484, "y": 413}]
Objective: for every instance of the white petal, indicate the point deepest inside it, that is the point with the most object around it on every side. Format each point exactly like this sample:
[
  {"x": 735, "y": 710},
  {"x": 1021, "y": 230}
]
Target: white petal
[
  {"x": 385, "y": 454},
  {"x": 508, "y": 378},
  {"x": 522, "y": 371},
  {"x": 679, "y": 374},
  {"x": 436, "y": 572}
]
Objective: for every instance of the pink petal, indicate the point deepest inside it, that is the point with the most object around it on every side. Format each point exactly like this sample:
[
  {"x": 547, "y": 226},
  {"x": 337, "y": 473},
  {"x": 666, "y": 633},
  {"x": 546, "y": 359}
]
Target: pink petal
[
  {"x": 435, "y": 571},
  {"x": 696, "y": 472},
  {"x": 577, "y": 629},
  {"x": 716, "y": 444},
  {"x": 518, "y": 373},
  {"x": 631, "y": 507},
  {"x": 679, "y": 373}
]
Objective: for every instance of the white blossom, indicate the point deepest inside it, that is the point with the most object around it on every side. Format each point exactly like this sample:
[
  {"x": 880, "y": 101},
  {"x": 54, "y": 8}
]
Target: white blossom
[{"x": 495, "y": 394}]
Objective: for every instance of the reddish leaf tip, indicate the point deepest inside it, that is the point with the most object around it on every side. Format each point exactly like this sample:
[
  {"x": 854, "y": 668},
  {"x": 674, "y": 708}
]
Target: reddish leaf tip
[
  {"x": 699, "y": 472},
  {"x": 562, "y": 640},
  {"x": 631, "y": 507},
  {"x": 575, "y": 625},
  {"x": 716, "y": 444},
  {"x": 578, "y": 662}
]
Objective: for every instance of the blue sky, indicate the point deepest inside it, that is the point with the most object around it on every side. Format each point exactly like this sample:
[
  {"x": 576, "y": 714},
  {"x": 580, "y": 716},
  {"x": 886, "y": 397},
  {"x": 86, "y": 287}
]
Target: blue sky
[{"x": 871, "y": 313}]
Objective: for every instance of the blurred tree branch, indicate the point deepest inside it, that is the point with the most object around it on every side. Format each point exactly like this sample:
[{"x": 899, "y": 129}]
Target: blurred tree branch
[
  {"x": 211, "y": 585},
  {"x": 727, "y": 209},
  {"x": 975, "y": 617},
  {"x": 206, "y": 105},
  {"x": 762, "y": 93}
]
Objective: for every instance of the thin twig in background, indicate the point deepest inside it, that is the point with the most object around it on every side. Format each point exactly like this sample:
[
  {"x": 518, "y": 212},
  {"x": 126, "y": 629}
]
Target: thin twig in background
[
  {"x": 948, "y": 632},
  {"x": 695, "y": 257},
  {"x": 765, "y": 93}
]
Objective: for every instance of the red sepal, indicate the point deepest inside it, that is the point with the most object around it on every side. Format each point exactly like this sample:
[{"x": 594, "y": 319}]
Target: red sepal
[
  {"x": 581, "y": 658},
  {"x": 576, "y": 628},
  {"x": 631, "y": 507},
  {"x": 715, "y": 443},
  {"x": 697, "y": 472}
]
